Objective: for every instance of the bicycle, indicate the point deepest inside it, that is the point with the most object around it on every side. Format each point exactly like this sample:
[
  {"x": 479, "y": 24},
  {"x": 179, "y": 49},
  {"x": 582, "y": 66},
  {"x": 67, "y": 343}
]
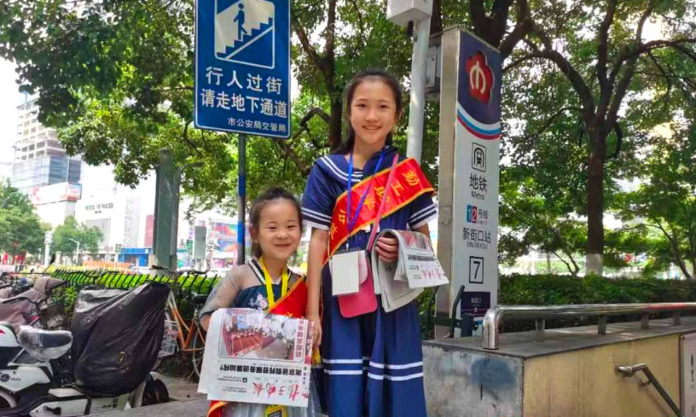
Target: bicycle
[{"x": 179, "y": 334}]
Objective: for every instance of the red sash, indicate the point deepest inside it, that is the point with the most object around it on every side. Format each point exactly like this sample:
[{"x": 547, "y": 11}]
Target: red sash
[
  {"x": 408, "y": 184},
  {"x": 294, "y": 302}
]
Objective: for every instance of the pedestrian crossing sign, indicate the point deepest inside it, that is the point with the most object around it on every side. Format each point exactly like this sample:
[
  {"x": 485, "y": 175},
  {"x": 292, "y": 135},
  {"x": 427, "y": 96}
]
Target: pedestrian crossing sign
[
  {"x": 243, "y": 28},
  {"x": 242, "y": 67}
]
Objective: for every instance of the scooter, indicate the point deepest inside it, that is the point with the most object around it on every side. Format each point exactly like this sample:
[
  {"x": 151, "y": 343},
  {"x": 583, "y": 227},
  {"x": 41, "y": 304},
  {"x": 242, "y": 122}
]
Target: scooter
[
  {"x": 27, "y": 306},
  {"x": 36, "y": 378}
]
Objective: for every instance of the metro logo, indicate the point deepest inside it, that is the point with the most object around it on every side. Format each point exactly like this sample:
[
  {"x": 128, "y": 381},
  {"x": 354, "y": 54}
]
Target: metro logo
[{"x": 480, "y": 77}]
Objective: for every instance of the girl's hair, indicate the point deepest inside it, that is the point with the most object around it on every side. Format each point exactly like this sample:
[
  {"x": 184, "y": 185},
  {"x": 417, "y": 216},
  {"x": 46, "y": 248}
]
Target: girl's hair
[
  {"x": 271, "y": 194},
  {"x": 368, "y": 75}
]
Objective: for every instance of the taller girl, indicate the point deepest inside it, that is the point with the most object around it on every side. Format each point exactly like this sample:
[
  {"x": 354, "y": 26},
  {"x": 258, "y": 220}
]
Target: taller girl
[{"x": 373, "y": 362}]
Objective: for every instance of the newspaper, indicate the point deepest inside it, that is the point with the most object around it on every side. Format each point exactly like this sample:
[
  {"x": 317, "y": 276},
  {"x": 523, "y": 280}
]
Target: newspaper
[
  {"x": 254, "y": 357},
  {"x": 417, "y": 268}
]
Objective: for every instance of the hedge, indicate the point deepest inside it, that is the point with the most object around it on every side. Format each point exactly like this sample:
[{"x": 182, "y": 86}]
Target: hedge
[{"x": 549, "y": 289}]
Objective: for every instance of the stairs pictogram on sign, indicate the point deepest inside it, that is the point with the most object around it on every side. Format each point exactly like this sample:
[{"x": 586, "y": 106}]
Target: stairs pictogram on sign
[{"x": 245, "y": 32}]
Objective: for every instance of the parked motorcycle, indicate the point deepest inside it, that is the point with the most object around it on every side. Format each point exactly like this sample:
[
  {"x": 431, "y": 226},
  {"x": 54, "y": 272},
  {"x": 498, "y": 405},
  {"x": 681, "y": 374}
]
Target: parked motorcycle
[
  {"x": 101, "y": 365},
  {"x": 25, "y": 307}
]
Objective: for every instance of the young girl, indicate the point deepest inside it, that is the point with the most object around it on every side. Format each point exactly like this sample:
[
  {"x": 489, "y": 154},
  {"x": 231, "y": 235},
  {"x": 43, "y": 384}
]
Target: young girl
[
  {"x": 373, "y": 362},
  {"x": 275, "y": 228}
]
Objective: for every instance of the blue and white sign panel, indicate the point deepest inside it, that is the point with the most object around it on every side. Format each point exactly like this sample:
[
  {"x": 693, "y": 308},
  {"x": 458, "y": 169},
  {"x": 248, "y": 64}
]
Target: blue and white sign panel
[
  {"x": 243, "y": 66},
  {"x": 476, "y": 176}
]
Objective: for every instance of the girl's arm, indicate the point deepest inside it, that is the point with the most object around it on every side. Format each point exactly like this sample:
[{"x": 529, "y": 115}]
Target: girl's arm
[
  {"x": 222, "y": 296},
  {"x": 317, "y": 248}
]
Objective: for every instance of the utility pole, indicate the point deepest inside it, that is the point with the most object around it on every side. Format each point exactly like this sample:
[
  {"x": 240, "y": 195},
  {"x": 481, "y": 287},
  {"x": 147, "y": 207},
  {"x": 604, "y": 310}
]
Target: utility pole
[
  {"x": 241, "y": 200},
  {"x": 77, "y": 251},
  {"x": 416, "y": 12},
  {"x": 166, "y": 211}
]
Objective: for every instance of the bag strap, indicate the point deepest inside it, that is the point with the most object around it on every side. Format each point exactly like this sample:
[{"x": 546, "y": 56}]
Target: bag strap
[{"x": 378, "y": 218}]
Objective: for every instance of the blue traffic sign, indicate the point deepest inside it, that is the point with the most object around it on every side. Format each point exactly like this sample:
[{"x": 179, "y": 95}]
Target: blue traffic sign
[{"x": 242, "y": 66}]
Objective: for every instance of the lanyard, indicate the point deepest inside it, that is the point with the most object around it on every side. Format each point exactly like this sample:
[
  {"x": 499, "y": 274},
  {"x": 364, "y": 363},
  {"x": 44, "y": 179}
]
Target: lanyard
[
  {"x": 269, "y": 284},
  {"x": 351, "y": 221}
]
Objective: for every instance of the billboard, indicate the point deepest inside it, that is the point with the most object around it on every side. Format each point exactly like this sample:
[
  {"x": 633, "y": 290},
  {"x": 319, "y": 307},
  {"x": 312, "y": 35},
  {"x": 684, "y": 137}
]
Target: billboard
[{"x": 55, "y": 193}]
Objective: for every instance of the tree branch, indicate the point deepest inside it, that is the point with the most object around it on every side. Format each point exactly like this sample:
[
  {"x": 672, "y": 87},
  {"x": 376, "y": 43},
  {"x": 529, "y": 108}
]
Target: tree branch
[
  {"x": 675, "y": 250},
  {"x": 619, "y": 141},
  {"x": 603, "y": 42},
  {"x": 522, "y": 28},
  {"x": 360, "y": 19},
  {"x": 576, "y": 80},
  {"x": 189, "y": 141},
  {"x": 307, "y": 45},
  {"x": 602, "y": 53},
  {"x": 628, "y": 71},
  {"x": 550, "y": 121},
  {"x": 667, "y": 78}
]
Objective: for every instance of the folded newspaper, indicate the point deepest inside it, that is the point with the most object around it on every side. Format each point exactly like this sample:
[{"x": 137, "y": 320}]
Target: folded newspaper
[
  {"x": 254, "y": 357},
  {"x": 401, "y": 282}
]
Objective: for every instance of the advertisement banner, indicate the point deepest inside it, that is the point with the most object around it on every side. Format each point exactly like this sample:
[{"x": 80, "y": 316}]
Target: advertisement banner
[
  {"x": 55, "y": 193},
  {"x": 254, "y": 357}
]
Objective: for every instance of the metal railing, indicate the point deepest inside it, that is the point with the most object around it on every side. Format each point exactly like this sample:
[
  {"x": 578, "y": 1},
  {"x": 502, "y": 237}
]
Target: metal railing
[
  {"x": 494, "y": 316},
  {"x": 630, "y": 370}
]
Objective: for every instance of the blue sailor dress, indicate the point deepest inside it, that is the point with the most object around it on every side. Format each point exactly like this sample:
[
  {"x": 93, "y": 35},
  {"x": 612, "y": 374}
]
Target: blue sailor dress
[{"x": 373, "y": 364}]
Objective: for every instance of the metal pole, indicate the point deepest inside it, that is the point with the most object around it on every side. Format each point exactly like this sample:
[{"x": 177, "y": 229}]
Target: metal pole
[
  {"x": 241, "y": 206},
  {"x": 416, "y": 108},
  {"x": 47, "y": 248}
]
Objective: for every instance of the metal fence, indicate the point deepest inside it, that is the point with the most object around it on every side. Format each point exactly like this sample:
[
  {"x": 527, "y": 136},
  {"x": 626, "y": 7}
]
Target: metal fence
[{"x": 184, "y": 286}]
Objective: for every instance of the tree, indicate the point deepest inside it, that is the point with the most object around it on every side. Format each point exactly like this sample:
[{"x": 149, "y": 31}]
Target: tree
[
  {"x": 666, "y": 201},
  {"x": 66, "y": 236},
  {"x": 21, "y": 231},
  {"x": 599, "y": 53}
]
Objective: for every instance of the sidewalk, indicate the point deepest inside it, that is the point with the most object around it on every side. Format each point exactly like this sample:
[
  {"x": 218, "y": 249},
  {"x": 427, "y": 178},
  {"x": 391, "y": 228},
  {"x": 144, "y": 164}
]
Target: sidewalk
[
  {"x": 190, "y": 408},
  {"x": 181, "y": 389}
]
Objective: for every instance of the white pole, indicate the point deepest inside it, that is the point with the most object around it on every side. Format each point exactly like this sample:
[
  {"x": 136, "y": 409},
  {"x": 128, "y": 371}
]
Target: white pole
[
  {"x": 417, "y": 104},
  {"x": 47, "y": 247}
]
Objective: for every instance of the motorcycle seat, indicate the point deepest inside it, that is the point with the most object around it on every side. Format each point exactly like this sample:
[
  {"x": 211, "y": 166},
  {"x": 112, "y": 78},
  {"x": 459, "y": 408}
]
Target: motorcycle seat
[{"x": 44, "y": 344}]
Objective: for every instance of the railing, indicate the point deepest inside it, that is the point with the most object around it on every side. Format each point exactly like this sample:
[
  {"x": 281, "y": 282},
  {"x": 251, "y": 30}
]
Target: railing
[
  {"x": 629, "y": 371},
  {"x": 494, "y": 316}
]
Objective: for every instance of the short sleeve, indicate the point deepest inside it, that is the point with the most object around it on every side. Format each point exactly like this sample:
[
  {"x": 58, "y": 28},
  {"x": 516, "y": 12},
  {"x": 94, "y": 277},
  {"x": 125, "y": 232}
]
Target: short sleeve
[
  {"x": 317, "y": 204},
  {"x": 423, "y": 210},
  {"x": 222, "y": 295}
]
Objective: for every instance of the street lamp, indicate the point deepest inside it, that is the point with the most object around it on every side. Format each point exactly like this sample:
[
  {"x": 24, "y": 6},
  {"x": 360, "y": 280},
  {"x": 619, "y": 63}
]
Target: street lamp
[{"x": 77, "y": 256}]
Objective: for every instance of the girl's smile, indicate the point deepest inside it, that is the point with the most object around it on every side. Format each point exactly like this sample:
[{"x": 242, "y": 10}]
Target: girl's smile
[
  {"x": 373, "y": 113},
  {"x": 279, "y": 230}
]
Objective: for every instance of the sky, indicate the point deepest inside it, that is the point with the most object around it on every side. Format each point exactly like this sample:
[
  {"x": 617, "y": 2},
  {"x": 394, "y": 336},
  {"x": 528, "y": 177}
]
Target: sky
[{"x": 8, "y": 109}]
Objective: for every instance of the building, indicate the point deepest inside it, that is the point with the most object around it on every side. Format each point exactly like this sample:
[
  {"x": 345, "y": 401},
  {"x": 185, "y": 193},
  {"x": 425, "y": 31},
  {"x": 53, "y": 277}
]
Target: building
[
  {"x": 40, "y": 159},
  {"x": 121, "y": 213},
  {"x": 5, "y": 170},
  {"x": 42, "y": 169}
]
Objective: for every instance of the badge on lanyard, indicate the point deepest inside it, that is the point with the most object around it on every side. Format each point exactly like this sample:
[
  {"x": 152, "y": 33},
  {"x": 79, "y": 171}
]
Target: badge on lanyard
[
  {"x": 269, "y": 284},
  {"x": 348, "y": 266},
  {"x": 276, "y": 411}
]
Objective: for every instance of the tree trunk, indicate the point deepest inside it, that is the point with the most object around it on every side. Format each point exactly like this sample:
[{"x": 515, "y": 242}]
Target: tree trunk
[
  {"x": 335, "y": 121},
  {"x": 595, "y": 208}
]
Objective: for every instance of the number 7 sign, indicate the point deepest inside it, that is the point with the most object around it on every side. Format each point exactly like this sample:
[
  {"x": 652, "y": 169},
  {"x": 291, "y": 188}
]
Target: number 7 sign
[{"x": 476, "y": 270}]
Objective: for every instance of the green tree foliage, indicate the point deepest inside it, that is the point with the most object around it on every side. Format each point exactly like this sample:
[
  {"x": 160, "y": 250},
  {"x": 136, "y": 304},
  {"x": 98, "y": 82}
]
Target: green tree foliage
[
  {"x": 664, "y": 205},
  {"x": 583, "y": 84},
  {"x": 116, "y": 79},
  {"x": 66, "y": 235},
  {"x": 21, "y": 230},
  {"x": 584, "y": 87}
]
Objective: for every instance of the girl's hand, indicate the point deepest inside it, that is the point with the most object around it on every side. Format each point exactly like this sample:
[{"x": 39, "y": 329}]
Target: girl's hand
[
  {"x": 316, "y": 333},
  {"x": 388, "y": 249}
]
